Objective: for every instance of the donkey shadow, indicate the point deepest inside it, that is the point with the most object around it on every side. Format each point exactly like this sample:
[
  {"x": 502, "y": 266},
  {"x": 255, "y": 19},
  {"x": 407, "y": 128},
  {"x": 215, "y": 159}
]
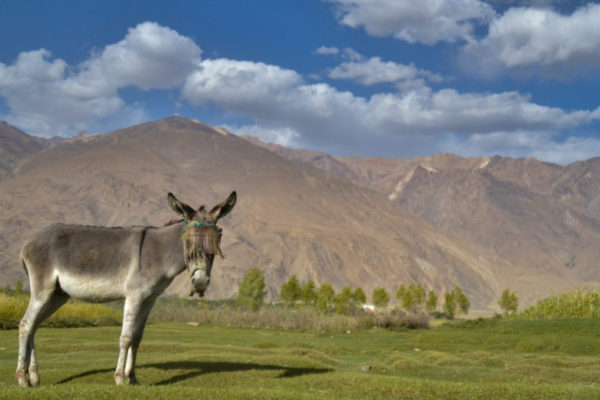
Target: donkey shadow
[{"x": 198, "y": 368}]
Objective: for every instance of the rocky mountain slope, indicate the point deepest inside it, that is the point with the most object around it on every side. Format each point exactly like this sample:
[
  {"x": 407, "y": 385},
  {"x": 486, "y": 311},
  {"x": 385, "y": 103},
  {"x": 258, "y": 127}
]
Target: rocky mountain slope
[
  {"x": 542, "y": 218},
  {"x": 291, "y": 218},
  {"x": 14, "y": 146}
]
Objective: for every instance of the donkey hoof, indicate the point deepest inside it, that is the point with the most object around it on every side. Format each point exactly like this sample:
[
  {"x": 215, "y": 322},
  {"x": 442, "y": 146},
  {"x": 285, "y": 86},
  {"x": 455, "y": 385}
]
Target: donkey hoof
[
  {"x": 119, "y": 380},
  {"x": 34, "y": 380},
  {"x": 22, "y": 378},
  {"x": 34, "y": 377}
]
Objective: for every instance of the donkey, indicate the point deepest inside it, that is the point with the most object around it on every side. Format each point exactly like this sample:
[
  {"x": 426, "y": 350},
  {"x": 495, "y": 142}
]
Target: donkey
[{"x": 98, "y": 264}]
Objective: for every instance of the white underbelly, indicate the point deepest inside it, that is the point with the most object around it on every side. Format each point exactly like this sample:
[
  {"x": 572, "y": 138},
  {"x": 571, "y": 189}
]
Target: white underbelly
[{"x": 93, "y": 289}]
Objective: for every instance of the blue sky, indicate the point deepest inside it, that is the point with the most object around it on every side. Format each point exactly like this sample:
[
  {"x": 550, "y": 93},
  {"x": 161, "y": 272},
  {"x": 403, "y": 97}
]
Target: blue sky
[{"x": 390, "y": 78}]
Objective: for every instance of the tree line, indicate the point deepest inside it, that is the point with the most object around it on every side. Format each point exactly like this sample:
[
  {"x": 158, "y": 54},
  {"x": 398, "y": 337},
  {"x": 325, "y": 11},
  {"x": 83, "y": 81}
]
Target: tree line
[{"x": 413, "y": 298}]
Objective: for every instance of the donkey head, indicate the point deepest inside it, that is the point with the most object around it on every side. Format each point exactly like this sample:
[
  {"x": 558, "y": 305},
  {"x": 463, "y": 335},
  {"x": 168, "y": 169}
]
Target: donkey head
[{"x": 201, "y": 238}]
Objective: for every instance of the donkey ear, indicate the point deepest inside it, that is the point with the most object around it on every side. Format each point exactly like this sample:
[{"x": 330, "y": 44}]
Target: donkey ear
[
  {"x": 180, "y": 208},
  {"x": 221, "y": 210}
]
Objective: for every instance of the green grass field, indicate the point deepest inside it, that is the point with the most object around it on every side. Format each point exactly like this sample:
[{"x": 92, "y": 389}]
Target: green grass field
[{"x": 489, "y": 359}]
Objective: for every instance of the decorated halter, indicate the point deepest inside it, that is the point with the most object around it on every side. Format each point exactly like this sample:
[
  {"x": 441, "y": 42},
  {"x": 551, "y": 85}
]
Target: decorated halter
[{"x": 198, "y": 238}]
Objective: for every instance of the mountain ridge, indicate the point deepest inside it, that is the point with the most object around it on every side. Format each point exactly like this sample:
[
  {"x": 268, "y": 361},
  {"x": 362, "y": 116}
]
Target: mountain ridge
[
  {"x": 533, "y": 214},
  {"x": 291, "y": 218}
]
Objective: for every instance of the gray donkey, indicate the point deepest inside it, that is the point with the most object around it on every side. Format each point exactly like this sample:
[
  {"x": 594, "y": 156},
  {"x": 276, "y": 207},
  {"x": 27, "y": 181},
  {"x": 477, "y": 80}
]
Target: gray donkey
[{"x": 97, "y": 264}]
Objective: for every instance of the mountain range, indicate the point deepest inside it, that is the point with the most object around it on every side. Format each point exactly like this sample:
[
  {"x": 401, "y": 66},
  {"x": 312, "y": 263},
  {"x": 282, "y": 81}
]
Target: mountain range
[{"x": 483, "y": 224}]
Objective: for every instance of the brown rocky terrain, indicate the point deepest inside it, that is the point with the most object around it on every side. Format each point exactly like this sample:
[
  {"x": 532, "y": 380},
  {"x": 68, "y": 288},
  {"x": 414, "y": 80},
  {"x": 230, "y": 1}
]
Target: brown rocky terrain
[
  {"x": 15, "y": 146},
  {"x": 542, "y": 218},
  {"x": 291, "y": 218}
]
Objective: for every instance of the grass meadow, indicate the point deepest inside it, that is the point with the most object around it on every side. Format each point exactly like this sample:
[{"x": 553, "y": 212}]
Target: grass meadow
[{"x": 498, "y": 358}]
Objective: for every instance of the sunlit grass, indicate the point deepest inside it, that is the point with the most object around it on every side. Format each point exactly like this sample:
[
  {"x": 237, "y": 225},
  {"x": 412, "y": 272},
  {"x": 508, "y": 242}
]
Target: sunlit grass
[
  {"x": 490, "y": 359},
  {"x": 74, "y": 313}
]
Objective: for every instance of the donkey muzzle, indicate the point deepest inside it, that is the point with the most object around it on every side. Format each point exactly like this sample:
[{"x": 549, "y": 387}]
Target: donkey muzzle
[{"x": 200, "y": 281}]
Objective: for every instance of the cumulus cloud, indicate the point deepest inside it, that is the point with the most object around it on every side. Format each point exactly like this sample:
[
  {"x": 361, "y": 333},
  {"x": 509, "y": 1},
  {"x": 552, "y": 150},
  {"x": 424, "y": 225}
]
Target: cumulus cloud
[
  {"x": 425, "y": 21},
  {"x": 374, "y": 71},
  {"x": 542, "y": 145},
  {"x": 327, "y": 50},
  {"x": 149, "y": 57},
  {"x": 539, "y": 39},
  {"x": 41, "y": 101},
  {"x": 320, "y": 115},
  {"x": 47, "y": 97},
  {"x": 284, "y": 136}
]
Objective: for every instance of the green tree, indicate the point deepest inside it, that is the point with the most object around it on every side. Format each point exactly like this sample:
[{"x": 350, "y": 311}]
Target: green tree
[
  {"x": 358, "y": 298},
  {"x": 456, "y": 298},
  {"x": 308, "y": 295},
  {"x": 290, "y": 291},
  {"x": 325, "y": 296},
  {"x": 509, "y": 302},
  {"x": 380, "y": 297},
  {"x": 343, "y": 301},
  {"x": 461, "y": 300},
  {"x": 251, "y": 291},
  {"x": 401, "y": 293},
  {"x": 431, "y": 302},
  {"x": 449, "y": 305},
  {"x": 412, "y": 297}
]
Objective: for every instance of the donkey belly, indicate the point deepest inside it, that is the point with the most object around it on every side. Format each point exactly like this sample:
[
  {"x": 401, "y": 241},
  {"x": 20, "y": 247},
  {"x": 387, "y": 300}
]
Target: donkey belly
[
  {"x": 93, "y": 264},
  {"x": 95, "y": 289}
]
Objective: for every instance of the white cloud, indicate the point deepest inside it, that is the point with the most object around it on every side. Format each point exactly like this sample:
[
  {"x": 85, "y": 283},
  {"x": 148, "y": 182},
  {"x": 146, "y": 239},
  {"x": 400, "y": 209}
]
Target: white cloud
[
  {"x": 46, "y": 97},
  {"x": 150, "y": 57},
  {"x": 245, "y": 87},
  {"x": 425, "y": 21},
  {"x": 327, "y": 50},
  {"x": 352, "y": 55},
  {"x": 374, "y": 71},
  {"x": 38, "y": 94},
  {"x": 539, "y": 39},
  {"x": 538, "y": 144},
  {"x": 284, "y": 136},
  {"x": 319, "y": 115}
]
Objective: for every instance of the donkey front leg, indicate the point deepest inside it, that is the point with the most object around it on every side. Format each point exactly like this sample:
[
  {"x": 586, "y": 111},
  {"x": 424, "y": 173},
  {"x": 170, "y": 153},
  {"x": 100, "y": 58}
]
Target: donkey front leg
[
  {"x": 140, "y": 324},
  {"x": 135, "y": 314}
]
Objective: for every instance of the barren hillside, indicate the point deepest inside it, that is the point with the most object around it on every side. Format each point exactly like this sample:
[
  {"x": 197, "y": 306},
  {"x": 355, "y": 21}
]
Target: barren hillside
[{"x": 290, "y": 217}]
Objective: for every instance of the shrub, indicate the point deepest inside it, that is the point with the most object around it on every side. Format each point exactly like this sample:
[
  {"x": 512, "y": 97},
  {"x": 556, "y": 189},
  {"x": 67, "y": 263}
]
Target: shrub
[
  {"x": 567, "y": 305},
  {"x": 279, "y": 317}
]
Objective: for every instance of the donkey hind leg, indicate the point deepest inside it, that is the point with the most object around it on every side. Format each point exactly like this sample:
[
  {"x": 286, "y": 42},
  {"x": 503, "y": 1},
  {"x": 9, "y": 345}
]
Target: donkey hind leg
[
  {"x": 134, "y": 319},
  {"x": 40, "y": 307}
]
